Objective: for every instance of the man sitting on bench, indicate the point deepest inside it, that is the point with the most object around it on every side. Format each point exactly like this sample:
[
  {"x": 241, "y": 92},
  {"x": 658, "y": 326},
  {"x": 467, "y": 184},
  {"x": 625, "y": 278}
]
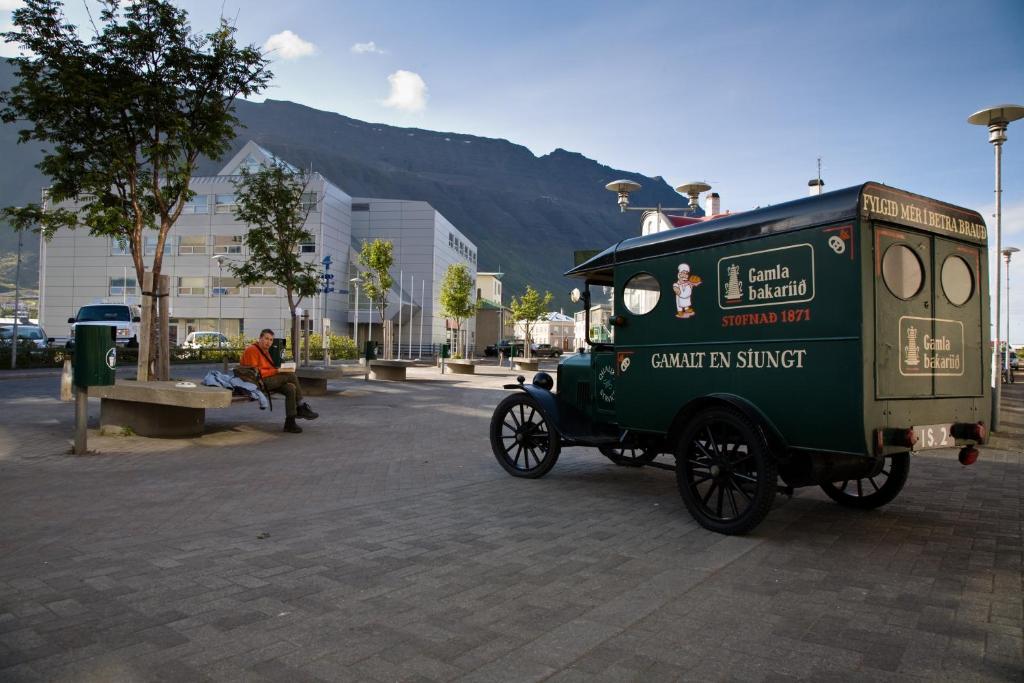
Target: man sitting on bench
[{"x": 257, "y": 356}]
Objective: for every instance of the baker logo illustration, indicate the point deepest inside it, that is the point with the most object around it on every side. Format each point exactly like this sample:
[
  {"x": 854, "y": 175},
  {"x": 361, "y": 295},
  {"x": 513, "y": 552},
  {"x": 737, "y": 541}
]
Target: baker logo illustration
[
  {"x": 683, "y": 288},
  {"x": 912, "y": 350}
]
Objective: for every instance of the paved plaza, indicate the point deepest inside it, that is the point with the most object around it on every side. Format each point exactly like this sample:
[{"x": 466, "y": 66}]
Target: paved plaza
[{"x": 386, "y": 544}]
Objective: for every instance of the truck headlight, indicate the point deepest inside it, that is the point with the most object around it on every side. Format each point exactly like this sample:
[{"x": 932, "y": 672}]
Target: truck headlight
[{"x": 124, "y": 332}]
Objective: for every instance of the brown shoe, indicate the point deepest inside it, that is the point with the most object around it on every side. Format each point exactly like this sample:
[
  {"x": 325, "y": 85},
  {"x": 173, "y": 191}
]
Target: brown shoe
[{"x": 291, "y": 427}]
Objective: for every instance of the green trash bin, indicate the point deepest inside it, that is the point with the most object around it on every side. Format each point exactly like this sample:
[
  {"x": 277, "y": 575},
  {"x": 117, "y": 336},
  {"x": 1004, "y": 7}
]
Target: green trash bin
[
  {"x": 446, "y": 350},
  {"x": 277, "y": 351},
  {"x": 370, "y": 350},
  {"x": 95, "y": 355}
]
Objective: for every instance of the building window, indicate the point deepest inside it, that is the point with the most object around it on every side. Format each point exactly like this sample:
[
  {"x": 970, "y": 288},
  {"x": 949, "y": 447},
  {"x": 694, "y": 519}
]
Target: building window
[
  {"x": 191, "y": 244},
  {"x": 198, "y": 204},
  {"x": 120, "y": 248},
  {"x": 227, "y": 244},
  {"x": 123, "y": 286},
  {"x": 309, "y": 202},
  {"x": 250, "y": 164},
  {"x": 192, "y": 286},
  {"x": 263, "y": 289},
  {"x": 360, "y": 207},
  {"x": 225, "y": 203},
  {"x": 307, "y": 248},
  {"x": 224, "y": 286},
  {"x": 150, "y": 245}
]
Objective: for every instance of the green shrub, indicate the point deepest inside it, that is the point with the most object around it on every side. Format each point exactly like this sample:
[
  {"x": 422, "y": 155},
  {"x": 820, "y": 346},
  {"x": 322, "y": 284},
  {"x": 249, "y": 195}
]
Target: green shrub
[{"x": 341, "y": 347}]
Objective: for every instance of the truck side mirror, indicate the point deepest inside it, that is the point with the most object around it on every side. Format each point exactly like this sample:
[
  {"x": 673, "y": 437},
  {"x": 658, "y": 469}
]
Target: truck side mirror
[
  {"x": 71, "y": 320},
  {"x": 136, "y": 319}
]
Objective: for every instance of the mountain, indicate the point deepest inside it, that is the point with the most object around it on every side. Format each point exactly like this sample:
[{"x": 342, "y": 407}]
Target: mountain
[{"x": 526, "y": 214}]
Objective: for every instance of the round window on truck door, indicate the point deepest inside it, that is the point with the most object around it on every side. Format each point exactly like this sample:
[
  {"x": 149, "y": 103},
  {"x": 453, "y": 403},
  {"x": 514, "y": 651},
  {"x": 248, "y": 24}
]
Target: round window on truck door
[
  {"x": 902, "y": 271},
  {"x": 641, "y": 294},
  {"x": 957, "y": 280}
]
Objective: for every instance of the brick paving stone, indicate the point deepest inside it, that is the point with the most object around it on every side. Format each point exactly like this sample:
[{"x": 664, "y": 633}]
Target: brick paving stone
[{"x": 384, "y": 543}]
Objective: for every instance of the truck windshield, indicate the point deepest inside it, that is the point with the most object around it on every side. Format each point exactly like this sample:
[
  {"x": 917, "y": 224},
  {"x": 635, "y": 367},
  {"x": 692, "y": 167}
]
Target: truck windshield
[{"x": 103, "y": 313}]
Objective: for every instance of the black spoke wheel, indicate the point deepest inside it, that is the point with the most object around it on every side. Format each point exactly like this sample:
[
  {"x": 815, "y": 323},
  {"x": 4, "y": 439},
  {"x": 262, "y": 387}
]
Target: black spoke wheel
[
  {"x": 628, "y": 456},
  {"x": 875, "y": 489},
  {"x": 726, "y": 474},
  {"x": 521, "y": 438}
]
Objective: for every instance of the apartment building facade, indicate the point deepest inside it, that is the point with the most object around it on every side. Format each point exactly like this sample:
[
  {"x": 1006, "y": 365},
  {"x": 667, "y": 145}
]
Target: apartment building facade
[{"x": 77, "y": 268}]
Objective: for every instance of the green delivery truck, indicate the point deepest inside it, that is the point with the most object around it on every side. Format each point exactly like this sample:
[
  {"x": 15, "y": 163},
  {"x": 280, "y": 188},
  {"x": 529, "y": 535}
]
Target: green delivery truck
[{"x": 818, "y": 342}]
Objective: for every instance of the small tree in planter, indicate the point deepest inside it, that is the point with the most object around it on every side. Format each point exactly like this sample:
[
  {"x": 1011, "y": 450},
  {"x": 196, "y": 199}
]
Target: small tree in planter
[
  {"x": 377, "y": 257},
  {"x": 528, "y": 310},
  {"x": 273, "y": 202},
  {"x": 457, "y": 297}
]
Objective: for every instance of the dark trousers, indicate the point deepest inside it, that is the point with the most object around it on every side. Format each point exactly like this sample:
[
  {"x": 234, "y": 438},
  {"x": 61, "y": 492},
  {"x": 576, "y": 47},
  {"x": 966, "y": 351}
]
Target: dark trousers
[{"x": 288, "y": 384}]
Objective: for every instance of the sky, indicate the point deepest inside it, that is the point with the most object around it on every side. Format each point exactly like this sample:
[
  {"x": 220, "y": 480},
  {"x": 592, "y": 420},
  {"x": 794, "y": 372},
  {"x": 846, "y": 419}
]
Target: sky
[{"x": 746, "y": 95}]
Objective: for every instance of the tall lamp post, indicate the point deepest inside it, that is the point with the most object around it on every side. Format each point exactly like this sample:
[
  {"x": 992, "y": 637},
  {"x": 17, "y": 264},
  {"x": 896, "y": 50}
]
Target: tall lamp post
[
  {"x": 1007, "y": 253},
  {"x": 355, "y": 325},
  {"x": 220, "y": 258},
  {"x": 997, "y": 119},
  {"x": 17, "y": 305}
]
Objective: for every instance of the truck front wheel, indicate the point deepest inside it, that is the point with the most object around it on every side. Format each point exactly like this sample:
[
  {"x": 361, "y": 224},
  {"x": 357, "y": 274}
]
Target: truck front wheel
[
  {"x": 875, "y": 489},
  {"x": 523, "y": 441},
  {"x": 727, "y": 475}
]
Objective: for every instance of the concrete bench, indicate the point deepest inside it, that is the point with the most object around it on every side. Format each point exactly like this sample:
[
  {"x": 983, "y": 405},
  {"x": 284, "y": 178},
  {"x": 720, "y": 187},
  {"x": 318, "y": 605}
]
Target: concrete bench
[
  {"x": 461, "y": 367},
  {"x": 527, "y": 364},
  {"x": 158, "y": 409},
  {"x": 313, "y": 378},
  {"x": 393, "y": 370}
]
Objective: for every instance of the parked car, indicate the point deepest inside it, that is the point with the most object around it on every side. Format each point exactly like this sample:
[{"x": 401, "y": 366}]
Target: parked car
[
  {"x": 199, "y": 340},
  {"x": 507, "y": 347},
  {"x": 545, "y": 350},
  {"x": 125, "y": 318},
  {"x": 28, "y": 334}
]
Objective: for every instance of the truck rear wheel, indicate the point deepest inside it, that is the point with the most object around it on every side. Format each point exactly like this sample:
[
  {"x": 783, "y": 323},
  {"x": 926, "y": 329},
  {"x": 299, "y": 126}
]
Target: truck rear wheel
[
  {"x": 521, "y": 438},
  {"x": 873, "y": 490},
  {"x": 628, "y": 456},
  {"x": 727, "y": 475}
]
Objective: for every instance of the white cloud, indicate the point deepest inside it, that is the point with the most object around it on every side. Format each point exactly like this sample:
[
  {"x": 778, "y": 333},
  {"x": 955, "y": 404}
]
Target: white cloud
[
  {"x": 408, "y": 91},
  {"x": 288, "y": 45},
  {"x": 367, "y": 48}
]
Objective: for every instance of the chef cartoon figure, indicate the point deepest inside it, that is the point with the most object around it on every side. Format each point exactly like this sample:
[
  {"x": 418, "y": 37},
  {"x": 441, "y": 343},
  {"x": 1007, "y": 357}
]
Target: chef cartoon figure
[{"x": 683, "y": 288}]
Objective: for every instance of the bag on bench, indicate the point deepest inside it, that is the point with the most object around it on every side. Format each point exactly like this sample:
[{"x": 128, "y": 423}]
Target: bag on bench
[{"x": 253, "y": 376}]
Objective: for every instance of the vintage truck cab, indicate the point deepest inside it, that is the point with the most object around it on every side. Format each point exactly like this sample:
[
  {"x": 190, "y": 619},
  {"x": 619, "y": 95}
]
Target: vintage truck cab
[{"x": 817, "y": 342}]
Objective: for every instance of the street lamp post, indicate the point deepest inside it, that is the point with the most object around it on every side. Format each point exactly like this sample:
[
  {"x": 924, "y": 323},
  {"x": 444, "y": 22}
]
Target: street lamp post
[
  {"x": 997, "y": 119},
  {"x": 1008, "y": 252},
  {"x": 355, "y": 325},
  {"x": 17, "y": 305},
  {"x": 220, "y": 258}
]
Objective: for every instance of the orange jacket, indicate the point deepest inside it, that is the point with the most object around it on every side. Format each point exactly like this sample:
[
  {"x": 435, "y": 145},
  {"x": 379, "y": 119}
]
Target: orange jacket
[{"x": 254, "y": 357}]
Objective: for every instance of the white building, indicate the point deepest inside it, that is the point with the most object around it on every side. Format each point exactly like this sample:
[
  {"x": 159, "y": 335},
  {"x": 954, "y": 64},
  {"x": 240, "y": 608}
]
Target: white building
[
  {"x": 426, "y": 243},
  {"x": 77, "y": 269},
  {"x": 556, "y": 329}
]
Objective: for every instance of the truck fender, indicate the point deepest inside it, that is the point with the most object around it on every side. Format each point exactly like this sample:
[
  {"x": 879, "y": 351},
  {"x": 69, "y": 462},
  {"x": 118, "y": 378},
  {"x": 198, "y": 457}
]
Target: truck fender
[
  {"x": 748, "y": 409},
  {"x": 547, "y": 405}
]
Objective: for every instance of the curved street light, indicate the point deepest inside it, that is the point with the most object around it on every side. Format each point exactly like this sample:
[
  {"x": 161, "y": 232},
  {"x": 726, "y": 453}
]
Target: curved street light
[{"x": 996, "y": 119}]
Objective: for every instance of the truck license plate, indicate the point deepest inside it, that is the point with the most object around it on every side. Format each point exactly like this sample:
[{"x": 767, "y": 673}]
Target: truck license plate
[{"x": 933, "y": 436}]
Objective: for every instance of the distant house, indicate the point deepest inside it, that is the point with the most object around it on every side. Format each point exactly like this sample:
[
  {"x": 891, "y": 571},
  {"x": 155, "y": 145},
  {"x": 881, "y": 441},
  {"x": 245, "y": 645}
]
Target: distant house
[
  {"x": 493, "y": 318},
  {"x": 553, "y": 328}
]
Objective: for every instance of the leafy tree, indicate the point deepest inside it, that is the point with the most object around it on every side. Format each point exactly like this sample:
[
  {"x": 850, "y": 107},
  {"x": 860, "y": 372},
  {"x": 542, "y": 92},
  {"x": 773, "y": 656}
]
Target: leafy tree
[
  {"x": 377, "y": 257},
  {"x": 273, "y": 202},
  {"x": 457, "y": 296},
  {"x": 123, "y": 115},
  {"x": 528, "y": 310}
]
